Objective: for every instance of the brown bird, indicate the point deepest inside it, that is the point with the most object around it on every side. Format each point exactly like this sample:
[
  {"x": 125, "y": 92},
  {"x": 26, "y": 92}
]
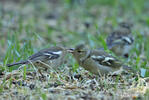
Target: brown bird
[
  {"x": 96, "y": 61},
  {"x": 45, "y": 58},
  {"x": 120, "y": 41}
]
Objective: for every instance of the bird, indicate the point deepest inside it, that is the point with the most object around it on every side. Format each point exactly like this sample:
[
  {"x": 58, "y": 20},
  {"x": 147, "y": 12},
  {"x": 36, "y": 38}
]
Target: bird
[
  {"x": 120, "y": 41},
  {"x": 47, "y": 58},
  {"x": 96, "y": 61}
]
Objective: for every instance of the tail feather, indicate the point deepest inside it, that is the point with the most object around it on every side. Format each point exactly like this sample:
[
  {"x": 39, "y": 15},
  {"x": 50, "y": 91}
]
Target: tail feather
[
  {"x": 17, "y": 63},
  {"x": 129, "y": 68}
]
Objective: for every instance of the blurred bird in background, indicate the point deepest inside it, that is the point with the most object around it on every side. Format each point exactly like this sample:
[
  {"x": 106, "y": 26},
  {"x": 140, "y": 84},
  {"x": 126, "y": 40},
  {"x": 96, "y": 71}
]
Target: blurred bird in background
[{"x": 121, "y": 40}]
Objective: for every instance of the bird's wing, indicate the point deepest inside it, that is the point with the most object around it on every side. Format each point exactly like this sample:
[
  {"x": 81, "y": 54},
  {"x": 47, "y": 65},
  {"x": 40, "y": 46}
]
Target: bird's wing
[
  {"x": 105, "y": 59},
  {"x": 45, "y": 54},
  {"x": 127, "y": 39},
  {"x": 119, "y": 39}
]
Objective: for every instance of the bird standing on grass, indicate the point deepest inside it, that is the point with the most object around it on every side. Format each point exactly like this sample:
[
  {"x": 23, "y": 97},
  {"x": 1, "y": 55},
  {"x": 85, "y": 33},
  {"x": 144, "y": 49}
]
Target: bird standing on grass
[
  {"x": 96, "y": 61},
  {"x": 45, "y": 58},
  {"x": 120, "y": 41}
]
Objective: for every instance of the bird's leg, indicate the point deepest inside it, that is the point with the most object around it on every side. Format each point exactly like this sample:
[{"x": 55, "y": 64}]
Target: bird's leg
[{"x": 40, "y": 72}]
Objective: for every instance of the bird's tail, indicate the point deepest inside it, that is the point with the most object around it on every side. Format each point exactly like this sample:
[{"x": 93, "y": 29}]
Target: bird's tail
[
  {"x": 129, "y": 68},
  {"x": 17, "y": 63}
]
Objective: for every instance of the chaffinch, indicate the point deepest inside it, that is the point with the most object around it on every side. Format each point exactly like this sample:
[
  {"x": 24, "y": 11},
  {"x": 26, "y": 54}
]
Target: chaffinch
[
  {"x": 120, "y": 41},
  {"x": 96, "y": 61},
  {"x": 45, "y": 58}
]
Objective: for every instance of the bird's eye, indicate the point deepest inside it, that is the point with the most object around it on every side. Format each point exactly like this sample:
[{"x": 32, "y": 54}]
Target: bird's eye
[{"x": 79, "y": 51}]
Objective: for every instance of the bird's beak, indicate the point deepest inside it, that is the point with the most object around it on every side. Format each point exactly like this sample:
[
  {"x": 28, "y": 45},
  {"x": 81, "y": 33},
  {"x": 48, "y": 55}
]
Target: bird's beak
[{"x": 71, "y": 50}]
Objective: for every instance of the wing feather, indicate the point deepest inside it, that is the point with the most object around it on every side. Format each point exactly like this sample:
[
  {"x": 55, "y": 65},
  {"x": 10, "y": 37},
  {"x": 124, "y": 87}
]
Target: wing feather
[{"x": 106, "y": 59}]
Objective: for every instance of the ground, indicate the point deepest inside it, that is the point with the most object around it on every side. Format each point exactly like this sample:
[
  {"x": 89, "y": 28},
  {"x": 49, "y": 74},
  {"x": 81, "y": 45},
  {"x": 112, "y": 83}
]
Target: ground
[{"x": 28, "y": 26}]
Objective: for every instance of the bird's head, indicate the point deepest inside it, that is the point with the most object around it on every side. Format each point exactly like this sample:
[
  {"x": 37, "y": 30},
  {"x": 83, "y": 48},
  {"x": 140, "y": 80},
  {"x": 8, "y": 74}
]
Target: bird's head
[{"x": 79, "y": 52}]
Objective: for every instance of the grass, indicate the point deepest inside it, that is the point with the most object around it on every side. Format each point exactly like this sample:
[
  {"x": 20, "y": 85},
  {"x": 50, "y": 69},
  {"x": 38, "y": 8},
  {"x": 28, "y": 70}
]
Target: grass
[{"x": 27, "y": 27}]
